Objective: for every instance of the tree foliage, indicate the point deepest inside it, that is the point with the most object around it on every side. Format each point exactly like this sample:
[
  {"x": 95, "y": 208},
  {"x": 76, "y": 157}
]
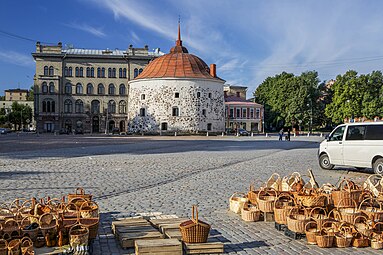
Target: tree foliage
[
  {"x": 20, "y": 115},
  {"x": 356, "y": 96},
  {"x": 289, "y": 99}
]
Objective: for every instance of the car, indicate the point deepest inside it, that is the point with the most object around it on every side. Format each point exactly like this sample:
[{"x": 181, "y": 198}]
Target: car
[
  {"x": 229, "y": 131},
  {"x": 3, "y": 131},
  {"x": 79, "y": 131},
  {"x": 64, "y": 131},
  {"x": 358, "y": 145},
  {"x": 115, "y": 130},
  {"x": 243, "y": 132}
]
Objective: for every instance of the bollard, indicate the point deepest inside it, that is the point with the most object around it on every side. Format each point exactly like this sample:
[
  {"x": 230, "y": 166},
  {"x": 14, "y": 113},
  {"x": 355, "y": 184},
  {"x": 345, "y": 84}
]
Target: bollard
[
  {"x": 252, "y": 134},
  {"x": 308, "y": 134},
  {"x": 207, "y": 133},
  {"x": 321, "y": 134},
  {"x": 267, "y": 135},
  {"x": 237, "y": 134},
  {"x": 222, "y": 134},
  {"x": 175, "y": 133},
  {"x": 295, "y": 134}
]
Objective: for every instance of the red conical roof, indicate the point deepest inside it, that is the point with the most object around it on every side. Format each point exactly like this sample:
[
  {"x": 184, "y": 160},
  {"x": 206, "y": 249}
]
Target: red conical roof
[{"x": 177, "y": 64}]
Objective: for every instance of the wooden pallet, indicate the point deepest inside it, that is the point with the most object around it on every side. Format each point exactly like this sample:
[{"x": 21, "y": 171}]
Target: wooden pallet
[
  {"x": 129, "y": 230},
  {"x": 212, "y": 246},
  {"x": 160, "y": 247},
  {"x": 294, "y": 235}
]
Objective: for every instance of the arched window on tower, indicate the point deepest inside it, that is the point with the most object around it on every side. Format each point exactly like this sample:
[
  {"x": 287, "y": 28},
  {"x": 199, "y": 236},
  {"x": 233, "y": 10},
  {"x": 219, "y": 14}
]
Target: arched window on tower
[
  {"x": 51, "y": 71},
  {"x": 89, "y": 89},
  {"x": 135, "y": 72}
]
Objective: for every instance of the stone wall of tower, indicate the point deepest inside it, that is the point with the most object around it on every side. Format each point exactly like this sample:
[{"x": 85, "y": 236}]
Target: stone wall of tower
[{"x": 200, "y": 105}]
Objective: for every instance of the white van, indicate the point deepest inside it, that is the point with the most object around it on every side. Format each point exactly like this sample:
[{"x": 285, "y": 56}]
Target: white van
[{"x": 359, "y": 145}]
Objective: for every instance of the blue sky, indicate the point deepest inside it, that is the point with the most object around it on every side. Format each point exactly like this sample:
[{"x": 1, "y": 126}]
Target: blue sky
[{"x": 249, "y": 40}]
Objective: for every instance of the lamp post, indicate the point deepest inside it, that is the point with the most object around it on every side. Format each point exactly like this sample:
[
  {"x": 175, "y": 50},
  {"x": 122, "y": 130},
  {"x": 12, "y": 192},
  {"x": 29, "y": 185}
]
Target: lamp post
[{"x": 106, "y": 120}]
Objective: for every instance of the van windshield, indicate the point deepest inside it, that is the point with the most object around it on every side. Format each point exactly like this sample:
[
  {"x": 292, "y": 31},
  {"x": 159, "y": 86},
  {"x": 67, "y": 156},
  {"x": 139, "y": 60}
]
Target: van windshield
[{"x": 337, "y": 135}]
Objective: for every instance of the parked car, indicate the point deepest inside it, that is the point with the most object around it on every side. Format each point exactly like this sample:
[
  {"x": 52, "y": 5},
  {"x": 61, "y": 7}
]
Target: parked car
[
  {"x": 243, "y": 132},
  {"x": 358, "y": 145},
  {"x": 79, "y": 131},
  {"x": 115, "y": 130},
  {"x": 3, "y": 131},
  {"x": 64, "y": 131}
]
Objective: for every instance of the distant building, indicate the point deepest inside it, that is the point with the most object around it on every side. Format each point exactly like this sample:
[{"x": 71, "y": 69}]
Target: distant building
[
  {"x": 19, "y": 96},
  {"x": 242, "y": 113},
  {"x": 16, "y": 94},
  {"x": 85, "y": 90}
]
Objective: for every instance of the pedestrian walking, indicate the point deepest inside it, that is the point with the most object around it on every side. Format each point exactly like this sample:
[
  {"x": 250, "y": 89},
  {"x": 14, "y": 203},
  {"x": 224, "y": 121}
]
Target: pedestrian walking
[
  {"x": 288, "y": 134},
  {"x": 280, "y": 134}
]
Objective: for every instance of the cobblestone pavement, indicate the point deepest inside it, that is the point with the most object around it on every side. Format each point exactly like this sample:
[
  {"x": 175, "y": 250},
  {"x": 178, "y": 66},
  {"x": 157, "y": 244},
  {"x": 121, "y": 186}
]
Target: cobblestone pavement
[{"x": 130, "y": 175}]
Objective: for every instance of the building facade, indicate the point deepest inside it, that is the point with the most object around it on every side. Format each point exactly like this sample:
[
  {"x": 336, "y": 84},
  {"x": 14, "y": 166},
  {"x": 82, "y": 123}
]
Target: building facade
[
  {"x": 242, "y": 113},
  {"x": 177, "y": 92},
  {"x": 19, "y": 96},
  {"x": 84, "y": 90}
]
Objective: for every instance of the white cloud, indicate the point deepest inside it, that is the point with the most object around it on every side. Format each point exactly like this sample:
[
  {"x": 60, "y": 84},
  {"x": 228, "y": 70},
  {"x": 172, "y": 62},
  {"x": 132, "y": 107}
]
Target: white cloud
[
  {"x": 135, "y": 37},
  {"x": 251, "y": 40},
  {"x": 87, "y": 28},
  {"x": 16, "y": 58}
]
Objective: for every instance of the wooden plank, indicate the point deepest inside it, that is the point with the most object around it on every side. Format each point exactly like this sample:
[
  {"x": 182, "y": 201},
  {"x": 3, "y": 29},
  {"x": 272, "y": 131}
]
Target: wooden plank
[
  {"x": 173, "y": 233},
  {"x": 165, "y": 227},
  {"x": 134, "y": 229},
  {"x": 157, "y": 222},
  {"x": 204, "y": 248},
  {"x": 158, "y": 246},
  {"x": 127, "y": 239},
  {"x": 129, "y": 222}
]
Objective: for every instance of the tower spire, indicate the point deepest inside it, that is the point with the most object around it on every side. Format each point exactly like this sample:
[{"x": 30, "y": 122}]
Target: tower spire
[{"x": 179, "y": 42}]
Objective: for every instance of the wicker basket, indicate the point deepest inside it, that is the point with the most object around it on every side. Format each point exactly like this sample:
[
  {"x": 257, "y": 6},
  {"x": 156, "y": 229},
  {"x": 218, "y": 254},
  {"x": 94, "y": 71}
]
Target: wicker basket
[
  {"x": 343, "y": 238},
  {"x": 288, "y": 183},
  {"x": 3, "y": 247},
  {"x": 376, "y": 244},
  {"x": 14, "y": 247},
  {"x": 250, "y": 213},
  {"x": 26, "y": 243},
  {"x": 274, "y": 182},
  {"x": 28, "y": 228},
  {"x": 78, "y": 236},
  {"x": 89, "y": 209},
  {"x": 297, "y": 222},
  {"x": 370, "y": 210},
  {"x": 92, "y": 224},
  {"x": 265, "y": 200},
  {"x": 237, "y": 200},
  {"x": 283, "y": 203},
  {"x": 48, "y": 223},
  {"x": 349, "y": 214},
  {"x": 311, "y": 198},
  {"x": 348, "y": 193},
  {"x": 311, "y": 232},
  {"x": 374, "y": 184},
  {"x": 11, "y": 228},
  {"x": 194, "y": 230},
  {"x": 324, "y": 239},
  {"x": 80, "y": 193},
  {"x": 252, "y": 194},
  {"x": 363, "y": 225},
  {"x": 360, "y": 241}
]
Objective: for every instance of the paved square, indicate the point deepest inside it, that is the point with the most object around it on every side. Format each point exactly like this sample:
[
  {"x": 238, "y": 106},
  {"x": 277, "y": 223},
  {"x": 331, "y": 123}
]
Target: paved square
[{"x": 130, "y": 175}]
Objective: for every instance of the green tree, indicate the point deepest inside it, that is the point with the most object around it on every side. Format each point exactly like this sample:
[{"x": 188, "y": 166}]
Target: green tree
[
  {"x": 30, "y": 96},
  {"x": 356, "y": 96},
  {"x": 19, "y": 115},
  {"x": 290, "y": 99}
]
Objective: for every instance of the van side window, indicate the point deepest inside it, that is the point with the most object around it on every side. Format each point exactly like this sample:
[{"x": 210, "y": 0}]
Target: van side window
[
  {"x": 374, "y": 132},
  {"x": 337, "y": 135},
  {"x": 355, "y": 133}
]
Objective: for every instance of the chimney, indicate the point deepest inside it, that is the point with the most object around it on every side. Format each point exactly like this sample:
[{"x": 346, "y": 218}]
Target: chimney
[{"x": 213, "y": 71}]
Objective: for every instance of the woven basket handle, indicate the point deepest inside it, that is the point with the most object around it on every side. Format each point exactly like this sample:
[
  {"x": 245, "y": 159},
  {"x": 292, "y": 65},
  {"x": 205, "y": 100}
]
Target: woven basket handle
[
  {"x": 365, "y": 200},
  {"x": 309, "y": 223},
  {"x": 27, "y": 241},
  {"x": 320, "y": 209},
  {"x": 195, "y": 208},
  {"x": 81, "y": 190},
  {"x": 356, "y": 205},
  {"x": 362, "y": 217}
]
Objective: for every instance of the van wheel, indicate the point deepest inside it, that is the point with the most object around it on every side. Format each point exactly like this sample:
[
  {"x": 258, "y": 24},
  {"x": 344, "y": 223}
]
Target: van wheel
[
  {"x": 378, "y": 166},
  {"x": 324, "y": 162}
]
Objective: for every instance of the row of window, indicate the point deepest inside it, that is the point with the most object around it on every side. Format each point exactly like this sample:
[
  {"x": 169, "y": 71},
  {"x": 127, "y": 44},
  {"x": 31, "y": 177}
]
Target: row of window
[
  {"x": 89, "y": 89},
  {"x": 79, "y": 72},
  {"x": 175, "y": 111},
  {"x": 48, "y": 106},
  {"x": 177, "y": 95},
  {"x": 244, "y": 114}
]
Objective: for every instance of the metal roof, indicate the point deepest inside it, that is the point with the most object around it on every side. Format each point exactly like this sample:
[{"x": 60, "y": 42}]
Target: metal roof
[{"x": 107, "y": 52}]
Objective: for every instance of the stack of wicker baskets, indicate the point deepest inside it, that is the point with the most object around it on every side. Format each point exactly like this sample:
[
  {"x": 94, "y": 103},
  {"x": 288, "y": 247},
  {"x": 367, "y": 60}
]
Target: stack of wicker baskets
[{"x": 330, "y": 216}]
